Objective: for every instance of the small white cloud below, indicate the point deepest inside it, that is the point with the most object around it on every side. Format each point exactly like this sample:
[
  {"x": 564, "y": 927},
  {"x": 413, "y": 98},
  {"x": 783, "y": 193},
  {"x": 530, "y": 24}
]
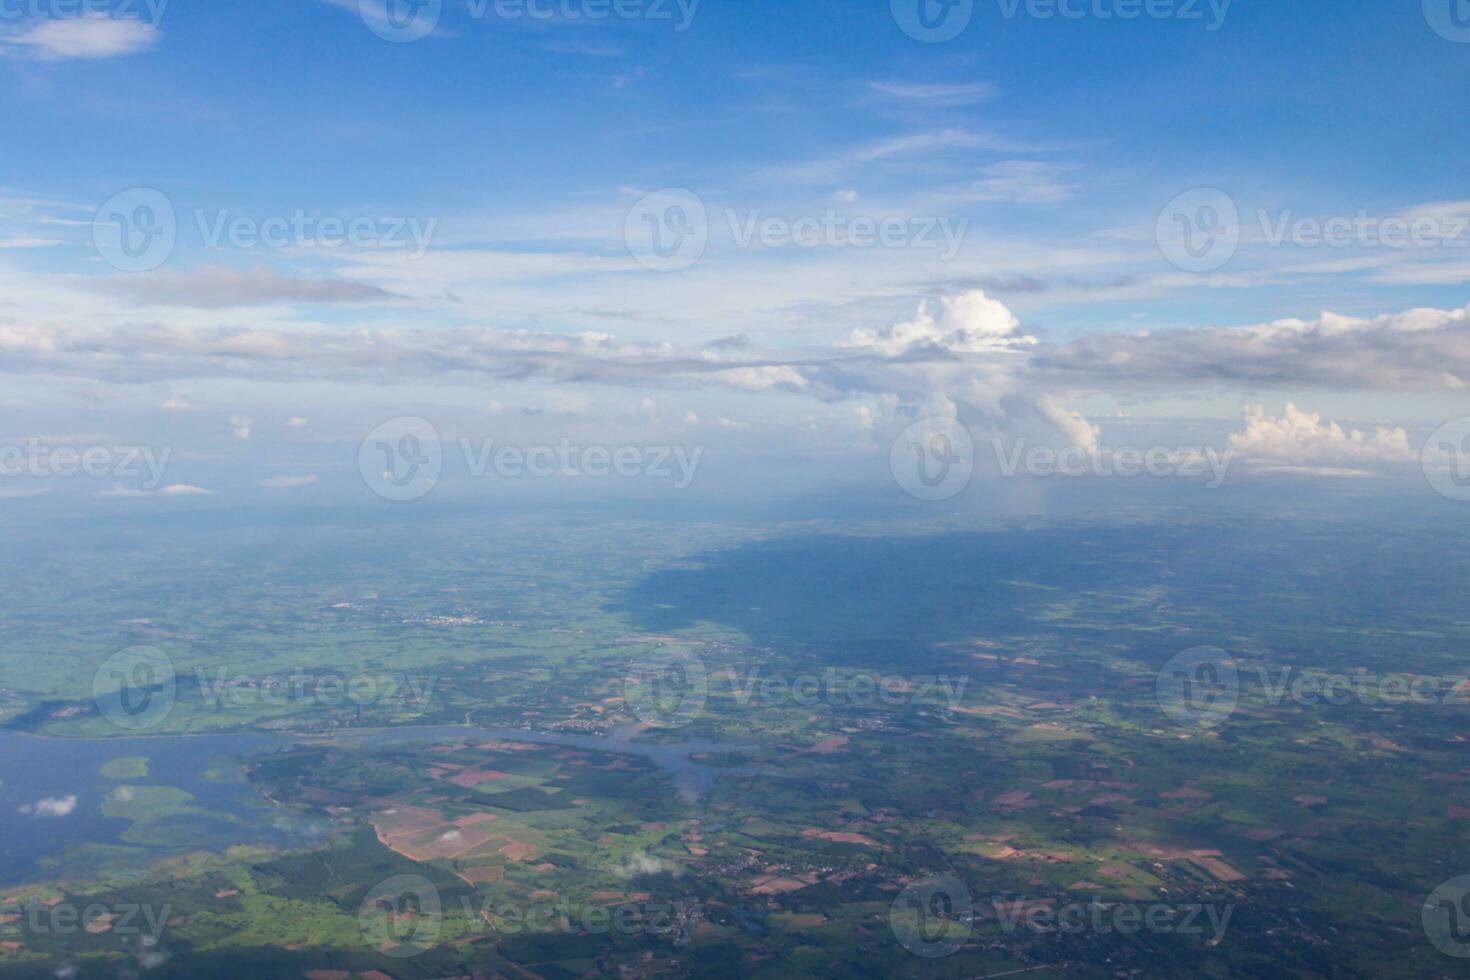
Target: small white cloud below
[{"x": 51, "y": 806}]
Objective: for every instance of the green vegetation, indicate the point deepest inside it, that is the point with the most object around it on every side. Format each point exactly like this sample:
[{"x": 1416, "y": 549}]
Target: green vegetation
[{"x": 1045, "y": 773}]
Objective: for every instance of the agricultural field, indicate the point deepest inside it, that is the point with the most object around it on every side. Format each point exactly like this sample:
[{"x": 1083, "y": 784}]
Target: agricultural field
[{"x": 663, "y": 750}]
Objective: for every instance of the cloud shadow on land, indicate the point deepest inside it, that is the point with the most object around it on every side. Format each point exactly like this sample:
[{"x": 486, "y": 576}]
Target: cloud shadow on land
[{"x": 1142, "y": 589}]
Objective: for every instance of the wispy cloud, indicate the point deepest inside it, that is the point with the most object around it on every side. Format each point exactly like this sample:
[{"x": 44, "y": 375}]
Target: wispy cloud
[
  {"x": 288, "y": 482},
  {"x": 938, "y": 96},
  {"x": 80, "y": 38},
  {"x": 218, "y": 287}
]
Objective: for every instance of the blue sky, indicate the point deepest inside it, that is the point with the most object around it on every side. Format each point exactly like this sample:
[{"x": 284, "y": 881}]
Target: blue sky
[{"x": 517, "y": 147}]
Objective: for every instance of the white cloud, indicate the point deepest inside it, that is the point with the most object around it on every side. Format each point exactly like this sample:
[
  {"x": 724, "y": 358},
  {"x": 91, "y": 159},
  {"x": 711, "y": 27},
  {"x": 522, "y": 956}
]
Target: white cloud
[
  {"x": 762, "y": 378},
  {"x": 1408, "y": 351},
  {"x": 640, "y": 863},
  {"x": 80, "y": 38},
  {"x": 184, "y": 490},
  {"x": 51, "y": 807},
  {"x": 240, "y": 426},
  {"x": 969, "y": 322},
  {"x": 1300, "y": 441},
  {"x": 172, "y": 490},
  {"x": 297, "y": 422},
  {"x": 935, "y": 95},
  {"x": 1022, "y": 182}
]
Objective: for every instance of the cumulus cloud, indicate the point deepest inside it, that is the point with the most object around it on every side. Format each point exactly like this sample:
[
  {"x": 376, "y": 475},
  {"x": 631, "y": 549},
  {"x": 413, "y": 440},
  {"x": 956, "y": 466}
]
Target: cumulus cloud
[
  {"x": 90, "y": 38},
  {"x": 51, "y": 806},
  {"x": 240, "y": 427},
  {"x": 1300, "y": 441},
  {"x": 1421, "y": 348},
  {"x": 969, "y": 322},
  {"x": 963, "y": 355}
]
